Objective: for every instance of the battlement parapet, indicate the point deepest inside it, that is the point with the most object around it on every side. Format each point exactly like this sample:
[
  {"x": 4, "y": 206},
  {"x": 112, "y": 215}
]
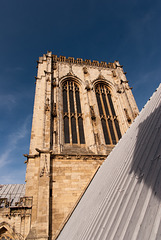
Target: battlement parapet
[
  {"x": 72, "y": 60},
  {"x": 85, "y": 62}
]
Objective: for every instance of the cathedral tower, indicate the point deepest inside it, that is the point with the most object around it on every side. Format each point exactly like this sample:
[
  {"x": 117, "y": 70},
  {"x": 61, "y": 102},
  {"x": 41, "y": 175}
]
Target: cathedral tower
[{"x": 81, "y": 110}]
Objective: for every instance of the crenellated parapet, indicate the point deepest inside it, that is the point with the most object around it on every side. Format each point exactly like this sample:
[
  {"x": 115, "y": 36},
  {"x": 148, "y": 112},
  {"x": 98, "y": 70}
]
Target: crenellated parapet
[
  {"x": 55, "y": 58},
  {"x": 84, "y": 62}
]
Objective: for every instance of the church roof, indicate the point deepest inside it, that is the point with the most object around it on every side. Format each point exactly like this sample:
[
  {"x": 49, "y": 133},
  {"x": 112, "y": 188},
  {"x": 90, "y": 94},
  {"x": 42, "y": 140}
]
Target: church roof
[
  {"x": 12, "y": 192},
  {"x": 123, "y": 200}
]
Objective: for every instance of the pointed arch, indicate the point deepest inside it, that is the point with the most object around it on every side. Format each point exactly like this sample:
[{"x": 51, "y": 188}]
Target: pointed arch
[
  {"x": 7, "y": 232},
  {"x": 72, "y": 77},
  {"x": 104, "y": 81}
]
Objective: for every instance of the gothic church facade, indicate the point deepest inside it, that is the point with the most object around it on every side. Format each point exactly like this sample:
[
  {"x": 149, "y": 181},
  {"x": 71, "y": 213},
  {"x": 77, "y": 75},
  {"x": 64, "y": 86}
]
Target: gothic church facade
[{"x": 81, "y": 110}]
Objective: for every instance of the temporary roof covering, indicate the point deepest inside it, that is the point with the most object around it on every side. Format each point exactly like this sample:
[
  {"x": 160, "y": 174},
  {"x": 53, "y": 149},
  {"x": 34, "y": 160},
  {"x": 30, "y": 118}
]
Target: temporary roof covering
[
  {"x": 123, "y": 200},
  {"x": 13, "y": 192}
]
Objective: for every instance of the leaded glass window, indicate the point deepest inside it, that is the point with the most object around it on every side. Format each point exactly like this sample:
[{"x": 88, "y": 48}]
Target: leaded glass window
[
  {"x": 73, "y": 119},
  {"x": 110, "y": 124}
]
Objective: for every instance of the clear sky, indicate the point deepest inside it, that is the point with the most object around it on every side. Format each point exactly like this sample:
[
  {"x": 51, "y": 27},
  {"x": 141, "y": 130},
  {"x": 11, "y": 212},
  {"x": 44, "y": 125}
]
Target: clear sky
[{"x": 124, "y": 30}]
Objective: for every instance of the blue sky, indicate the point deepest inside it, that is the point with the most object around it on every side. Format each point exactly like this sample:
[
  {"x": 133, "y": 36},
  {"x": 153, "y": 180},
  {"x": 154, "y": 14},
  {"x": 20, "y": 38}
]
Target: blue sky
[{"x": 128, "y": 31}]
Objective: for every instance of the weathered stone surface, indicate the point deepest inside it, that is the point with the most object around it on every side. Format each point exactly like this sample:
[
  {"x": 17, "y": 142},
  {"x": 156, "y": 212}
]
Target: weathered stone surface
[{"x": 57, "y": 174}]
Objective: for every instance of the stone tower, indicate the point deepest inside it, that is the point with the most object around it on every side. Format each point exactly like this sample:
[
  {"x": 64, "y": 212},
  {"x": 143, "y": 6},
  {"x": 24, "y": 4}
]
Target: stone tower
[{"x": 81, "y": 110}]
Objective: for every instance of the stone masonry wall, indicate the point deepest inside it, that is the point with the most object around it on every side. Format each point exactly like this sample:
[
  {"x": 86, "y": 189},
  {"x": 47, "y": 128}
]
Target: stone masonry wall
[
  {"x": 15, "y": 223},
  {"x": 70, "y": 178}
]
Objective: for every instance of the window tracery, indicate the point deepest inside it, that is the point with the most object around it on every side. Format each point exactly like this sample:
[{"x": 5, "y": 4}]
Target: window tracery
[
  {"x": 72, "y": 114},
  {"x": 110, "y": 124},
  {"x": 5, "y": 237}
]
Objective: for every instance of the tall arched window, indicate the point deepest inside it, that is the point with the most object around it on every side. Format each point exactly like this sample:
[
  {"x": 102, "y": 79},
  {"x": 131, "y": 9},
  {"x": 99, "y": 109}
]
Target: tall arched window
[
  {"x": 73, "y": 121},
  {"x": 110, "y": 124}
]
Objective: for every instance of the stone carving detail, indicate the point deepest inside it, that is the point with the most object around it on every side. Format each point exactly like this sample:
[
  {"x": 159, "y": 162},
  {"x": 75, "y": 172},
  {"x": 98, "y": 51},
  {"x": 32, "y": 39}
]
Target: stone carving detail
[
  {"x": 87, "y": 86},
  {"x": 92, "y": 113},
  {"x": 135, "y": 114},
  {"x": 121, "y": 81},
  {"x": 54, "y": 113},
  {"x": 4, "y": 202},
  {"x": 46, "y": 72},
  {"x": 24, "y": 202},
  {"x": 114, "y": 73},
  {"x": 127, "y": 87},
  {"x": 119, "y": 89},
  {"x": 70, "y": 73},
  {"x": 54, "y": 66},
  {"x": 96, "y": 137},
  {"x": 45, "y": 169},
  {"x": 127, "y": 115},
  {"x": 85, "y": 70},
  {"x": 101, "y": 77},
  {"x": 54, "y": 82},
  {"x": 47, "y": 106}
]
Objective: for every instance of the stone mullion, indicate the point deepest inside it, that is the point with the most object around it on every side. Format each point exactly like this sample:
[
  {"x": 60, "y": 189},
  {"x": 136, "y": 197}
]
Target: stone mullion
[
  {"x": 111, "y": 115},
  {"x": 98, "y": 126},
  {"x": 54, "y": 100},
  {"x": 104, "y": 115},
  {"x": 69, "y": 113},
  {"x": 76, "y": 114},
  {"x": 58, "y": 126},
  {"x": 99, "y": 122},
  {"x": 114, "y": 127},
  {"x": 55, "y": 118}
]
